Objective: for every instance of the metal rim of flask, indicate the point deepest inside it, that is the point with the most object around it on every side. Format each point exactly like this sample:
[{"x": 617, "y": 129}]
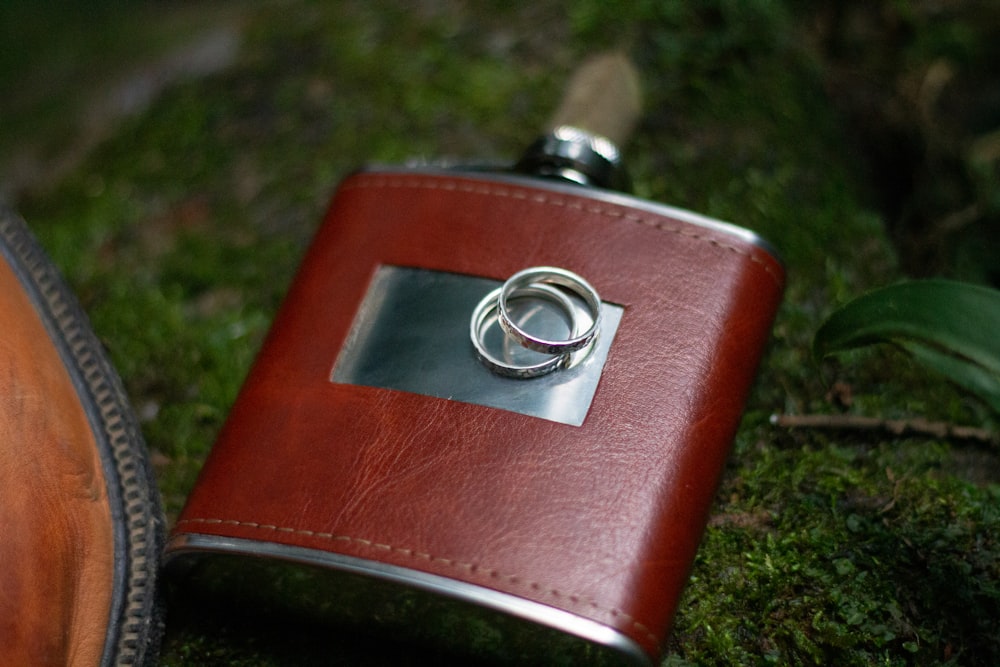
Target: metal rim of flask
[{"x": 578, "y": 156}]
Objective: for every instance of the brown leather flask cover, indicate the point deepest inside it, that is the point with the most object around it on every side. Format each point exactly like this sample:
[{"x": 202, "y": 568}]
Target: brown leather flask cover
[{"x": 589, "y": 527}]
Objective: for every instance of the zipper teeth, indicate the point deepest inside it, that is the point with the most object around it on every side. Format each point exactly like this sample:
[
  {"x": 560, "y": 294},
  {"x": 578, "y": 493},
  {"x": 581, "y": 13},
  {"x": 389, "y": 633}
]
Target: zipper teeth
[{"x": 139, "y": 502}]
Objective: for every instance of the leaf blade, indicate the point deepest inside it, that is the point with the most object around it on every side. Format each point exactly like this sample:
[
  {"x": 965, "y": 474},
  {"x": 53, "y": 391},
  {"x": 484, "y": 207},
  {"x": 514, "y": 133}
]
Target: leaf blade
[
  {"x": 950, "y": 327},
  {"x": 969, "y": 376}
]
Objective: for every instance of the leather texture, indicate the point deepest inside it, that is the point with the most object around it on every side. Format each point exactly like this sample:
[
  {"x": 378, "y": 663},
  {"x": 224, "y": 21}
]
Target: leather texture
[
  {"x": 56, "y": 548},
  {"x": 80, "y": 524},
  {"x": 601, "y": 520}
]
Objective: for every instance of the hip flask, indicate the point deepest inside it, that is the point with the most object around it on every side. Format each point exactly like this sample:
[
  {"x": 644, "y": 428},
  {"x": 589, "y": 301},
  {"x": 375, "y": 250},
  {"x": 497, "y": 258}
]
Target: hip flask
[{"x": 389, "y": 436}]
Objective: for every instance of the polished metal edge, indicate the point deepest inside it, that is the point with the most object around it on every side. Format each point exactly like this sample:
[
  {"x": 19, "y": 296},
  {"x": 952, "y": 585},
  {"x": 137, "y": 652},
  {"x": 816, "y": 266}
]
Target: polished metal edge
[
  {"x": 184, "y": 544},
  {"x": 493, "y": 173},
  {"x": 411, "y": 333}
]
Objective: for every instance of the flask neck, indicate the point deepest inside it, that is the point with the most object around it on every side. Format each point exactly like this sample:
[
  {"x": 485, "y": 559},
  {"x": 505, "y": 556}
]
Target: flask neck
[{"x": 571, "y": 154}]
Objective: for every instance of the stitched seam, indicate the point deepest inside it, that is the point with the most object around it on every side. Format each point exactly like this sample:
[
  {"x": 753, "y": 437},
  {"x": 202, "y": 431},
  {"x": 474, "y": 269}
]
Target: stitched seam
[
  {"x": 564, "y": 202},
  {"x": 513, "y": 579}
]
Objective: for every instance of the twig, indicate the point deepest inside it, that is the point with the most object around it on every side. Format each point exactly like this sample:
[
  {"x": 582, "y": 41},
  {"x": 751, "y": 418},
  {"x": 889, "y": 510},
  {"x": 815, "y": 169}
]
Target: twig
[{"x": 915, "y": 426}]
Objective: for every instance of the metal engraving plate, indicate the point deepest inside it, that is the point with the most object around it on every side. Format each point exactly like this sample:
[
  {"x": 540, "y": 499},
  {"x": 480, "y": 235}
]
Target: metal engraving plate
[{"x": 411, "y": 333}]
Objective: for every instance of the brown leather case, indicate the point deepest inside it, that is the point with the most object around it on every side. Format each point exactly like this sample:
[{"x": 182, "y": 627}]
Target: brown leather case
[
  {"x": 589, "y": 529},
  {"x": 80, "y": 523}
]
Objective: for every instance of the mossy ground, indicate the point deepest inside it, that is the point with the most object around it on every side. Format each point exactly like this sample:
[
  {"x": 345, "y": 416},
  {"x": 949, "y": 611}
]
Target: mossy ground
[{"x": 181, "y": 226}]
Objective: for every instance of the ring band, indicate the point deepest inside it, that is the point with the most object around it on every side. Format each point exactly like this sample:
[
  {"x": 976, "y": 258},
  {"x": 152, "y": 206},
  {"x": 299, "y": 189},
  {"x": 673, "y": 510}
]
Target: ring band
[
  {"x": 491, "y": 302},
  {"x": 541, "y": 275}
]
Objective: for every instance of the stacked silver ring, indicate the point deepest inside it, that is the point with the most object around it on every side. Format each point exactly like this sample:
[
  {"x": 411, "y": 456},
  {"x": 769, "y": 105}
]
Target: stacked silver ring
[{"x": 551, "y": 284}]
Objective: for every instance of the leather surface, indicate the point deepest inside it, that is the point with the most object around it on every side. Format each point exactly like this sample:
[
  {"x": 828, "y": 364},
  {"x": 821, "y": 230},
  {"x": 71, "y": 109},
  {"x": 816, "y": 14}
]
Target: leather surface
[
  {"x": 56, "y": 540},
  {"x": 601, "y": 520}
]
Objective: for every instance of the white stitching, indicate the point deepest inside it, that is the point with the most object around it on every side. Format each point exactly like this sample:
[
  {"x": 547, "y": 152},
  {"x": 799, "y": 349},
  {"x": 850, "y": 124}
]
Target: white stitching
[
  {"x": 376, "y": 181},
  {"x": 410, "y": 553}
]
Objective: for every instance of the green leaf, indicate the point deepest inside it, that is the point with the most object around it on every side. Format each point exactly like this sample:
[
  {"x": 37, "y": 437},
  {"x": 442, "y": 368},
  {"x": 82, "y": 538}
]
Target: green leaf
[
  {"x": 950, "y": 327},
  {"x": 976, "y": 379}
]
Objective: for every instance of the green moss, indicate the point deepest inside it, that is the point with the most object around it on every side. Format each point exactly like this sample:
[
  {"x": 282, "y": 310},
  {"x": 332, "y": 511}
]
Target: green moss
[
  {"x": 846, "y": 554},
  {"x": 181, "y": 231}
]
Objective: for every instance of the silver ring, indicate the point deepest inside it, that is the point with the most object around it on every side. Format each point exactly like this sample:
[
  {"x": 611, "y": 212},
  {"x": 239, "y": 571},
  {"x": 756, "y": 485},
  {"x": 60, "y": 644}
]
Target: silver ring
[
  {"x": 490, "y": 303},
  {"x": 541, "y": 275}
]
